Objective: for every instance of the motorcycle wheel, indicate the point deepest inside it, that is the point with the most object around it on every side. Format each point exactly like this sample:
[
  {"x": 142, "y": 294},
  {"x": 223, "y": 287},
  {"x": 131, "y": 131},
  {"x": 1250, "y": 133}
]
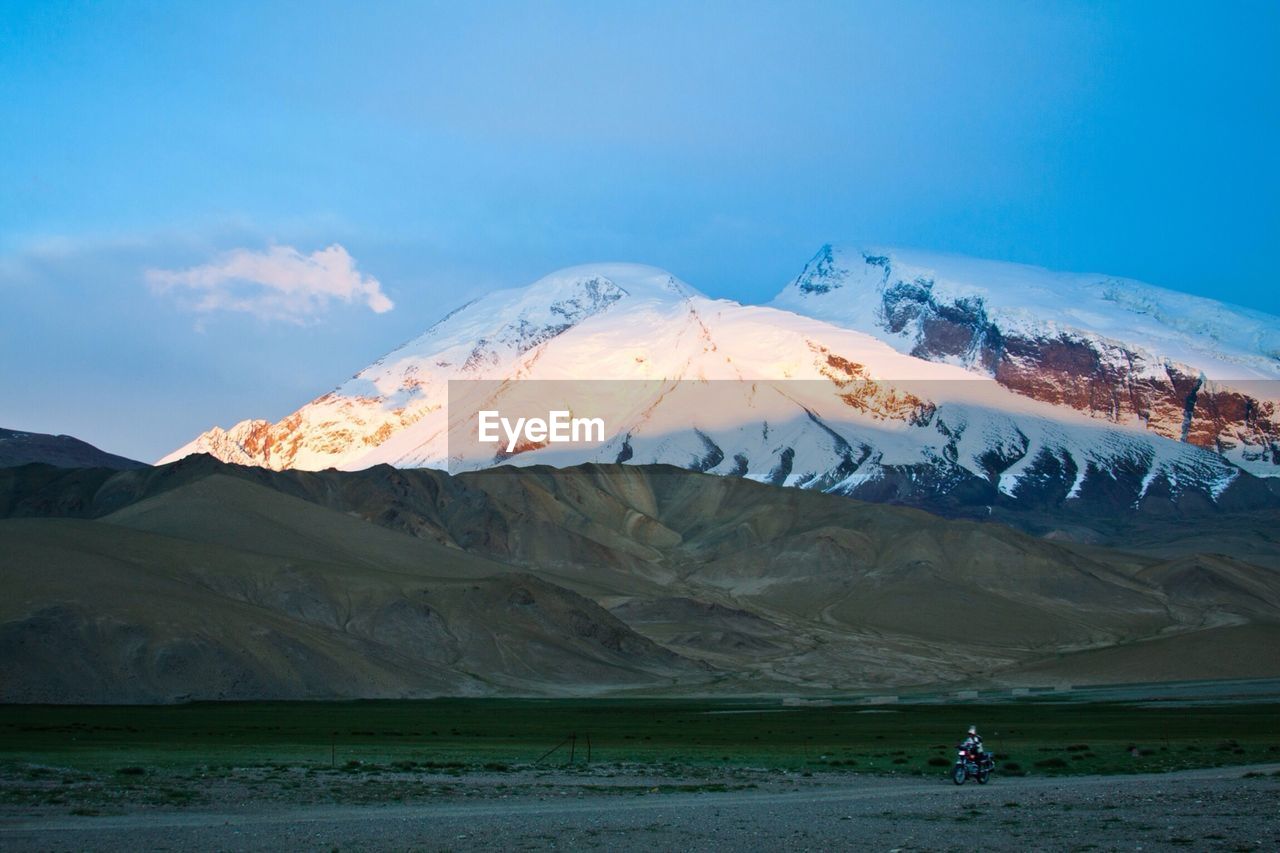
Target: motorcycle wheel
[
  {"x": 983, "y": 775},
  {"x": 958, "y": 774}
]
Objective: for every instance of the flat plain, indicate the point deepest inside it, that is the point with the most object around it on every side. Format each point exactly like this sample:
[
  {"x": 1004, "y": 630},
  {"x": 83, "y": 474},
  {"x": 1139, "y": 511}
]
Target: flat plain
[{"x": 712, "y": 774}]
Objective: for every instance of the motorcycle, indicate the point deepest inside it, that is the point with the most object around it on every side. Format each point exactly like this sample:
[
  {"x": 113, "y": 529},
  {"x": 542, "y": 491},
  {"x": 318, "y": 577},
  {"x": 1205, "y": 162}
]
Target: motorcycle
[{"x": 972, "y": 764}]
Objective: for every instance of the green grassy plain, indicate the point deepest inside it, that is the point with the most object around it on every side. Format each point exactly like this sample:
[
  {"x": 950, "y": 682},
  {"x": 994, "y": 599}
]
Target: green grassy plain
[{"x": 453, "y": 735}]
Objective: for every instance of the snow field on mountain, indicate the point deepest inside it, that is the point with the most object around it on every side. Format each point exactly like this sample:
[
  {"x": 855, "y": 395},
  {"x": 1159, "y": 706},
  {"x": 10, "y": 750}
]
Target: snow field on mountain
[{"x": 754, "y": 391}]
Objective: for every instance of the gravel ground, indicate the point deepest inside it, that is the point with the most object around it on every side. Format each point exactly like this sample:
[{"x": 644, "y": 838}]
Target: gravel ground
[{"x": 1220, "y": 809}]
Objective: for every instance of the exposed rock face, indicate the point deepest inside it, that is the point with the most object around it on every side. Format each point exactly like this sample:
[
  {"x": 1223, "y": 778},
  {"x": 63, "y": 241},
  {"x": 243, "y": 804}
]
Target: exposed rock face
[
  {"x": 329, "y": 426},
  {"x": 1050, "y": 354},
  {"x": 1104, "y": 378}
]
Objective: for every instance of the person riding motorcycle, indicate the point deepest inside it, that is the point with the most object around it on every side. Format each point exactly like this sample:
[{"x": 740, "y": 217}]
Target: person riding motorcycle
[
  {"x": 973, "y": 742},
  {"x": 974, "y": 762}
]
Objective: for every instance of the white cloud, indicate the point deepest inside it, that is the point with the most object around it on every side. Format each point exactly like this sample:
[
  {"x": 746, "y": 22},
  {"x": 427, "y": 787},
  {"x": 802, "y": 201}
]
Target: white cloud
[{"x": 278, "y": 284}]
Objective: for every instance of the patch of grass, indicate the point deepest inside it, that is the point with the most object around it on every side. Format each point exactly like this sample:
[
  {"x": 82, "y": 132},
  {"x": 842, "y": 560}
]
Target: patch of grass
[
  {"x": 222, "y": 739},
  {"x": 1051, "y": 763}
]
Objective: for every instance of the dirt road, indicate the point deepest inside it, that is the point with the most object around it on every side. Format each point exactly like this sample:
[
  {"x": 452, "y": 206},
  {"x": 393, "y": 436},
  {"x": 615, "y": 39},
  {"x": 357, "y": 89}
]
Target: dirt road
[{"x": 1201, "y": 810}]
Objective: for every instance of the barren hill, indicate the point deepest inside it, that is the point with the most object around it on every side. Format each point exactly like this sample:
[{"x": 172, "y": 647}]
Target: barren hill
[
  {"x": 23, "y": 448},
  {"x": 201, "y": 579}
]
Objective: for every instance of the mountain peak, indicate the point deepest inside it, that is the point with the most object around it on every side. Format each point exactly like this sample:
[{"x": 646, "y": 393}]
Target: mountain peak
[
  {"x": 834, "y": 267},
  {"x": 636, "y": 280}
]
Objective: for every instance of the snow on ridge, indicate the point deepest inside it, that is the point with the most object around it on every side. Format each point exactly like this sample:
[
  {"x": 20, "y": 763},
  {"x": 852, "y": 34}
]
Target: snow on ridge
[{"x": 1226, "y": 342}]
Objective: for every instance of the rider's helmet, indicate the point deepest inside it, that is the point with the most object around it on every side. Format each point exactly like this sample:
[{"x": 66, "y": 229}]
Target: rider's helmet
[{"x": 973, "y": 730}]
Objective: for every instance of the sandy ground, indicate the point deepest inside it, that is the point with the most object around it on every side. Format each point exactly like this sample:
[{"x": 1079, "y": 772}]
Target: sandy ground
[{"x": 1220, "y": 809}]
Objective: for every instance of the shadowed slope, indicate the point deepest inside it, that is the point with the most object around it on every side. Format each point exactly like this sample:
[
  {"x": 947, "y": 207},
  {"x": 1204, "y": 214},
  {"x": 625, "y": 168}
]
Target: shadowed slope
[
  {"x": 220, "y": 509},
  {"x": 231, "y": 590},
  {"x": 776, "y": 589},
  {"x": 64, "y": 451}
]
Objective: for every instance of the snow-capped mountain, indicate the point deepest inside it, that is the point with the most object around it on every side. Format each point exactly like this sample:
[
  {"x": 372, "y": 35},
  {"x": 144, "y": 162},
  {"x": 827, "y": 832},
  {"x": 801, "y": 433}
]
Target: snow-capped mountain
[
  {"x": 755, "y": 391},
  {"x": 1183, "y": 366}
]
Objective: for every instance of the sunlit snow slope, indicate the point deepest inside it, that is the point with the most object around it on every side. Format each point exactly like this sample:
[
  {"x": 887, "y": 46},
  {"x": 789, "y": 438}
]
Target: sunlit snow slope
[
  {"x": 1183, "y": 366},
  {"x": 827, "y": 404}
]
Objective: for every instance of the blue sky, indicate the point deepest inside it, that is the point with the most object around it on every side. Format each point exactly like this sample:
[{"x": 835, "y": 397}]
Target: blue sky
[{"x": 454, "y": 148}]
